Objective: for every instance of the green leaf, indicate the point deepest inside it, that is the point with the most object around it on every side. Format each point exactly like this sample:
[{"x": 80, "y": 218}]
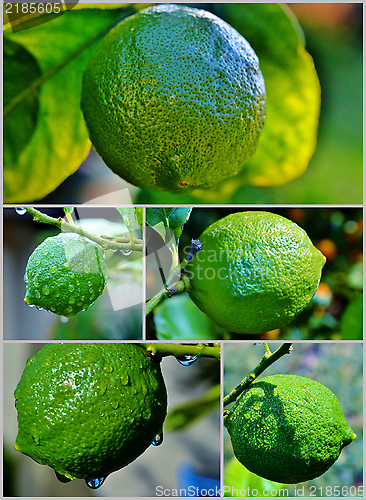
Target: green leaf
[
  {"x": 352, "y": 320},
  {"x": 167, "y": 220},
  {"x": 128, "y": 215},
  {"x": 20, "y": 70},
  {"x": 52, "y": 136},
  {"x": 183, "y": 415},
  {"x": 178, "y": 318},
  {"x": 140, "y": 217}
]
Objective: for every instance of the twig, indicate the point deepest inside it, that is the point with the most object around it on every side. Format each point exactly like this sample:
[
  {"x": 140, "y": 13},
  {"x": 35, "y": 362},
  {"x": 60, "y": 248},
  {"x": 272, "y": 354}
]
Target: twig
[
  {"x": 171, "y": 349},
  {"x": 72, "y": 228},
  {"x": 268, "y": 359}
]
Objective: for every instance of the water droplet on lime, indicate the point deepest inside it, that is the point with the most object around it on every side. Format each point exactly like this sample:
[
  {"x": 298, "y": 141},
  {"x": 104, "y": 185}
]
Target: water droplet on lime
[
  {"x": 158, "y": 439},
  {"x": 95, "y": 483}
]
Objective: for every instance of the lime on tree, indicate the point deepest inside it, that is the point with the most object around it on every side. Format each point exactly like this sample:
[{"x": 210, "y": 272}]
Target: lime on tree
[
  {"x": 65, "y": 274},
  {"x": 288, "y": 428},
  {"x": 256, "y": 272},
  {"x": 174, "y": 99},
  {"x": 87, "y": 410}
]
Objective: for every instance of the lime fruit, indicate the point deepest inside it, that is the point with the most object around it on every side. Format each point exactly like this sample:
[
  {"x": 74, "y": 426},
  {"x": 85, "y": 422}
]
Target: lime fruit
[
  {"x": 86, "y": 409},
  {"x": 288, "y": 428},
  {"x": 256, "y": 272},
  {"x": 174, "y": 99},
  {"x": 65, "y": 274}
]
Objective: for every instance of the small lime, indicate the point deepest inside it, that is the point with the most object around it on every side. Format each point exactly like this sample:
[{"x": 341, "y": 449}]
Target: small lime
[{"x": 63, "y": 273}]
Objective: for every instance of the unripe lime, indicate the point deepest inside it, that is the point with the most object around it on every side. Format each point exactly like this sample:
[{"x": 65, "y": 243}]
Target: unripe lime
[
  {"x": 288, "y": 428},
  {"x": 256, "y": 272},
  {"x": 65, "y": 274},
  {"x": 174, "y": 99},
  {"x": 86, "y": 409}
]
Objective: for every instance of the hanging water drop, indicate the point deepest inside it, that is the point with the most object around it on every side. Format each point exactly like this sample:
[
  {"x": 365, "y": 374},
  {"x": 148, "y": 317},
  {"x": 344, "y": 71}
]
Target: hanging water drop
[
  {"x": 62, "y": 478},
  {"x": 20, "y": 210},
  {"x": 126, "y": 253},
  {"x": 186, "y": 360},
  {"x": 158, "y": 439},
  {"x": 64, "y": 319},
  {"x": 95, "y": 483}
]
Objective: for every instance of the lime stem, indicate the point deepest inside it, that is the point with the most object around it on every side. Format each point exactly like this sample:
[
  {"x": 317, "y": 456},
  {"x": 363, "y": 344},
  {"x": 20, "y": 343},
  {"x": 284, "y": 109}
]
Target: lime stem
[
  {"x": 38, "y": 216},
  {"x": 199, "y": 350},
  {"x": 267, "y": 360}
]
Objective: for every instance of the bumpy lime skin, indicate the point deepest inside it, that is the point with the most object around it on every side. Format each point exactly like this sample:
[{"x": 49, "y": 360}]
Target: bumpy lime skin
[
  {"x": 65, "y": 274},
  {"x": 174, "y": 99},
  {"x": 256, "y": 272},
  {"x": 288, "y": 428},
  {"x": 87, "y": 410}
]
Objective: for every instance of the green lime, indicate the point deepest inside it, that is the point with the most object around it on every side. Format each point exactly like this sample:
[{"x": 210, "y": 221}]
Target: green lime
[
  {"x": 174, "y": 99},
  {"x": 65, "y": 274},
  {"x": 256, "y": 272},
  {"x": 288, "y": 428},
  {"x": 87, "y": 409}
]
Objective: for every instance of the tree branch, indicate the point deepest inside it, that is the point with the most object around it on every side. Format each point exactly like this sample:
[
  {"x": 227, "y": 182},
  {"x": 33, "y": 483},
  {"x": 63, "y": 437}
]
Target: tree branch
[{"x": 267, "y": 360}]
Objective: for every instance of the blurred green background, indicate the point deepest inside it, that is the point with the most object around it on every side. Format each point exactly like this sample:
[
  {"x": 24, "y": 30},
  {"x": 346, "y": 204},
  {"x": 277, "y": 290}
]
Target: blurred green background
[
  {"x": 334, "y": 313},
  {"x": 339, "y": 367}
]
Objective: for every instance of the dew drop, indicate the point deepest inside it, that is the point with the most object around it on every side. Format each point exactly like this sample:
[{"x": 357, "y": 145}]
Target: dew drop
[
  {"x": 126, "y": 253},
  {"x": 158, "y": 439},
  {"x": 46, "y": 290},
  {"x": 62, "y": 478},
  {"x": 71, "y": 288},
  {"x": 186, "y": 360},
  {"x": 64, "y": 319},
  {"x": 101, "y": 388},
  {"x": 53, "y": 269},
  {"x": 125, "y": 379},
  {"x": 95, "y": 483},
  {"x": 37, "y": 294},
  {"x": 30, "y": 305},
  {"x": 115, "y": 404},
  {"x": 108, "y": 368},
  {"x": 48, "y": 362},
  {"x": 20, "y": 210},
  {"x": 35, "y": 436},
  {"x": 39, "y": 308}
]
